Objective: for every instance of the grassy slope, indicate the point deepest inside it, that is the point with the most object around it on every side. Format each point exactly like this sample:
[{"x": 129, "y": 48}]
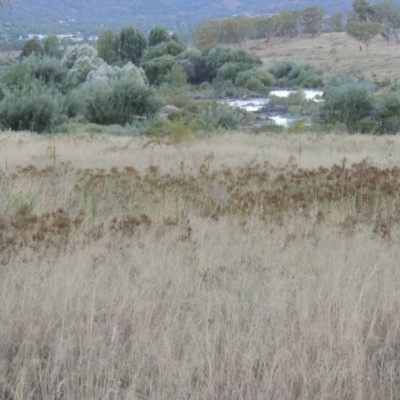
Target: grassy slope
[
  {"x": 199, "y": 273},
  {"x": 334, "y": 52}
]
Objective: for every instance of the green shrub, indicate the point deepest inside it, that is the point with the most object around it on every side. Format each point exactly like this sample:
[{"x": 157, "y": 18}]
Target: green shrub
[
  {"x": 250, "y": 80},
  {"x": 366, "y": 125},
  {"x": 176, "y": 77},
  {"x": 347, "y": 104},
  {"x": 82, "y": 67},
  {"x": 157, "y": 68},
  {"x": 387, "y": 113},
  {"x": 111, "y": 74},
  {"x": 80, "y": 60},
  {"x": 220, "y": 55},
  {"x": 265, "y": 77},
  {"x": 75, "y": 52},
  {"x": 177, "y": 130},
  {"x": 210, "y": 115},
  {"x": 120, "y": 102},
  {"x": 291, "y": 74},
  {"x": 268, "y": 127},
  {"x": 281, "y": 69},
  {"x": 216, "y": 115},
  {"x": 50, "y": 71},
  {"x": 18, "y": 76},
  {"x": 37, "y": 108}
]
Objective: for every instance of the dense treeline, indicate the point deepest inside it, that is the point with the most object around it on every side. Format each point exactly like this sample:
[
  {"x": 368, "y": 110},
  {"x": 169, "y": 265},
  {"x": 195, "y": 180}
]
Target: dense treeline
[
  {"x": 131, "y": 75},
  {"x": 236, "y": 30}
]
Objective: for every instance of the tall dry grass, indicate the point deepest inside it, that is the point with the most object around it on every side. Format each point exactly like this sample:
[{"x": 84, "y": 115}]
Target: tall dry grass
[{"x": 218, "y": 278}]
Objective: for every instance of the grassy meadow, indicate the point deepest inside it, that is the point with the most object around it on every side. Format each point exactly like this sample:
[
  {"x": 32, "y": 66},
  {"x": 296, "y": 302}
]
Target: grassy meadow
[
  {"x": 334, "y": 53},
  {"x": 234, "y": 266}
]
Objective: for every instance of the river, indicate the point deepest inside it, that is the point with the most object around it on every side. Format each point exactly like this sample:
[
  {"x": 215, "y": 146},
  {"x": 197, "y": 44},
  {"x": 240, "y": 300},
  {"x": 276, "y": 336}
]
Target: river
[{"x": 258, "y": 103}]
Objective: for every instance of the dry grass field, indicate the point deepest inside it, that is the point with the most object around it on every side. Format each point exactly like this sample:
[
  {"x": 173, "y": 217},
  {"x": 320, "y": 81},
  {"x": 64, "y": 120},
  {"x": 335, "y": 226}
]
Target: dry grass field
[
  {"x": 229, "y": 267},
  {"x": 334, "y": 52}
]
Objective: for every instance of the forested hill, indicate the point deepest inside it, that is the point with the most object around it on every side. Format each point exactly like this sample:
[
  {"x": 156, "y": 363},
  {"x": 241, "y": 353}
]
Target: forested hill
[{"x": 60, "y": 15}]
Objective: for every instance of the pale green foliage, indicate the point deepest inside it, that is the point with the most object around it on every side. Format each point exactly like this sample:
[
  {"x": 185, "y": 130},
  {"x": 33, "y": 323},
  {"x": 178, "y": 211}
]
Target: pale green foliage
[
  {"x": 216, "y": 115},
  {"x": 264, "y": 76},
  {"x": 312, "y": 18},
  {"x": 80, "y": 60},
  {"x": 176, "y": 77},
  {"x": 37, "y": 108},
  {"x": 335, "y": 22},
  {"x": 74, "y": 52},
  {"x": 111, "y": 74},
  {"x": 18, "y": 76},
  {"x": 236, "y": 29},
  {"x": 82, "y": 67},
  {"x": 387, "y": 12},
  {"x": 363, "y": 31},
  {"x": 120, "y": 102},
  {"x": 207, "y": 34}
]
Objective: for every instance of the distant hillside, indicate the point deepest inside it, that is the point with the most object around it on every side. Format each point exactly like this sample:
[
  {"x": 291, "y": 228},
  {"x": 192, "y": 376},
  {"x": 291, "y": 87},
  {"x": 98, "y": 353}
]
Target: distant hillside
[{"x": 89, "y": 16}]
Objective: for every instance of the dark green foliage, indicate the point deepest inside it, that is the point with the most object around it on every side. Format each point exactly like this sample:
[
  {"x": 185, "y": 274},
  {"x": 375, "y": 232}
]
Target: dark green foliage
[
  {"x": 32, "y": 46},
  {"x": 363, "y": 10},
  {"x": 37, "y": 108},
  {"x": 154, "y": 52},
  {"x": 348, "y": 104},
  {"x": 157, "y": 68},
  {"x": 230, "y": 70},
  {"x": 108, "y": 46},
  {"x": 157, "y": 35},
  {"x": 121, "y": 102},
  {"x": 51, "y": 46},
  {"x": 172, "y": 48},
  {"x": 194, "y": 64},
  {"x": 291, "y": 74},
  {"x": 132, "y": 43},
  {"x": 50, "y": 71}
]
